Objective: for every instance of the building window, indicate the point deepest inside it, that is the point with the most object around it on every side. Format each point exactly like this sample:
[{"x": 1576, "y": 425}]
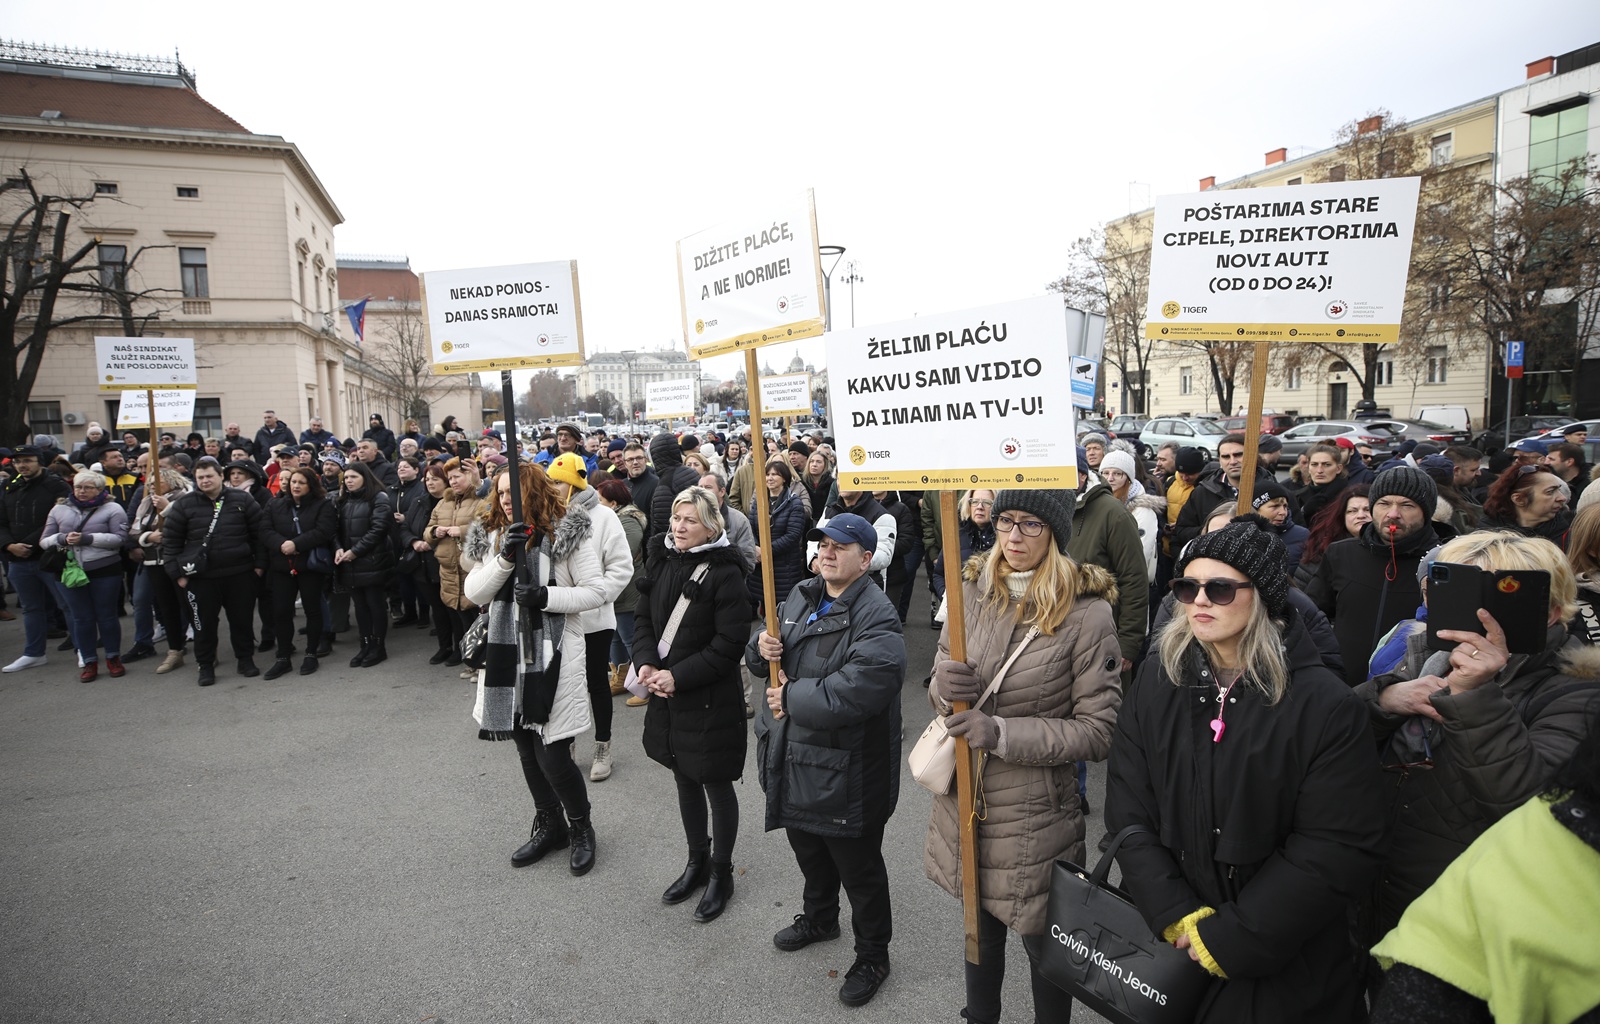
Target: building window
[
  {"x": 113, "y": 267},
  {"x": 45, "y": 418},
  {"x": 1444, "y": 147},
  {"x": 1556, "y": 139},
  {"x": 105, "y": 188},
  {"x": 188, "y": 192},
  {"x": 1292, "y": 379},
  {"x": 1383, "y": 373},
  {"x": 1336, "y": 172},
  {"x": 1185, "y": 380},
  {"x": 208, "y": 417},
  {"x": 1437, "y": 368},
  {"x": 1438, "y": 297},
  {"x": 196, "y": 282},
  {"x": 1339, "y": 366},
  {"x": 1295, "y": 181}
]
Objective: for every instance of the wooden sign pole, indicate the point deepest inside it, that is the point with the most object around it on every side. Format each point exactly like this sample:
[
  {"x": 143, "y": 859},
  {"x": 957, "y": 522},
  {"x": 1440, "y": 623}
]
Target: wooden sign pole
[
  {"x": 153, "y": 467},
  {"x": 1252, "y": 425},
  {"x": 956, "y": 624},
  {"x": 763, "y": 523}
]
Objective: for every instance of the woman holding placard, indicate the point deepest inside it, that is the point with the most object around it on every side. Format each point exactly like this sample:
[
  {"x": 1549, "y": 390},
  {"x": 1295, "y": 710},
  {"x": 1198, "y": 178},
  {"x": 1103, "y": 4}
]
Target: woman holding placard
[{"x": 1042, "y": 671}]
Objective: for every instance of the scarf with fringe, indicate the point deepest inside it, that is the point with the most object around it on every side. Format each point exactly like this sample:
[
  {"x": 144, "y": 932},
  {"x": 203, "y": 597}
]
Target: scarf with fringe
[{"x": 523, "y": 663}]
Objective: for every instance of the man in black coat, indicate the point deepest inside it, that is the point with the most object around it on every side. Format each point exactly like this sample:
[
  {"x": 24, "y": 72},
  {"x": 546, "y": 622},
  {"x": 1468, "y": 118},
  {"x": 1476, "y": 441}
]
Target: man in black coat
[
  {"x": 316, "y": 434},
  {"x": 273, "y": 432},
  {"x": 1215, "y": 488},
  {"x": 642, "y": 478},
  {"x": 382, "y": 435},
  {"x": 1368, "y": 584},
  {"x": 673, "y": 478},
  {"x": 367, "y": 450},
  {"x": 24, "y": 506}
]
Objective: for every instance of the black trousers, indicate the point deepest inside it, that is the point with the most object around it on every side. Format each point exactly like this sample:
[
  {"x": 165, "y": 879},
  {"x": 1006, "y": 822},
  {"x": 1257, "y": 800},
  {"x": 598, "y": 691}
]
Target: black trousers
[
  {"x": 372, "y": 611},
  {"x": 171, "y": 607},
  {"x": 597, "y": 673},
  {"x": 458, "y": 622},
  {"x": 984, "y": 981},
  {"x": 692, "y": 799},
  {"x": 828, "y": 862},
  {"x": 285, "y": 587},
  {"x": 553, "y": 779},
  {"x": 235, "y": 595}
]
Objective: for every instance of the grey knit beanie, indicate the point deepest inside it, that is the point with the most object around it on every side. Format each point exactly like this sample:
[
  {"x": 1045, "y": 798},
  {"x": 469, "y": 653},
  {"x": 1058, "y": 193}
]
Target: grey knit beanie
[
  {"x": 1054, "y": 507},
  {"x": 1093, "y": 437},
  {"x": 1407, "y": 482},
  {"x": 1252, "y": 546}
]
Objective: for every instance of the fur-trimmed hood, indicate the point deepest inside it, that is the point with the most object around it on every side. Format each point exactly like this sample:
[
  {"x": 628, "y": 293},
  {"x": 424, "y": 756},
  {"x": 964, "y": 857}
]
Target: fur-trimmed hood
[
  {"x": 1579, "y": 660},
  {"x": 572, "y": 529},
  {"x": 1093, "y": 581},
  {"x": 1154, "y": 503}
]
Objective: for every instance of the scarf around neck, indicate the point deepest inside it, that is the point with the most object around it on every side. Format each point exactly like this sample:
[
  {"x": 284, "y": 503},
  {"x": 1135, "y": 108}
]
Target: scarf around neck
[
  {"x": 523, "y": 660},
  {"x": 92, "y": 504}
]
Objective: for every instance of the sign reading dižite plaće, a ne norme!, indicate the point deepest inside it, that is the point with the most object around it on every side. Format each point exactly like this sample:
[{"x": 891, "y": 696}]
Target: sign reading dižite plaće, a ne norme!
[
  {"x": 1321, "y": 263},
  {"x": 752, "y": 281},
  {"x": 503, "y": 318},
  {"x": 160, "y": 363},
  {"x": 666, "y": 399},
  {"x": 980, "y": 398},
  {"x": 786, "y": 394},
  {"x": 173, "y": 409}
]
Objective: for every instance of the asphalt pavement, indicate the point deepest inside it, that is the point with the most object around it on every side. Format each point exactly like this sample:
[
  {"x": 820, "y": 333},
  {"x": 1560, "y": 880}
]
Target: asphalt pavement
[{"x": 336, "y": 848}]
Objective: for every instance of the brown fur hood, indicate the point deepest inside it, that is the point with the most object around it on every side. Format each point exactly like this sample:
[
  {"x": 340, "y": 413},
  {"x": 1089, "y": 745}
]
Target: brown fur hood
[
  {"x": 1093, "y": 581},
  {"x": 1579, "y": 660}
]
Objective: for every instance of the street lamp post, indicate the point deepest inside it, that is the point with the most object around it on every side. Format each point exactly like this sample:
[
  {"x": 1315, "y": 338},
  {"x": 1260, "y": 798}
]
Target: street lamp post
[
  {"x": 837, "y": 252},
  {"x": 852, "y": 274}
]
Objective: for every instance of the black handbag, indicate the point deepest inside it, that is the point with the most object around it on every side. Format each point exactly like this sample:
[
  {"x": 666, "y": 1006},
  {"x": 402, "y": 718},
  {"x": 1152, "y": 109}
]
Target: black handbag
[
  {"x": 319, "y": 559},
  {"x": 1099, "y": 950},
  {"x": 475, "y": 643},
  {"x": 53, "y": 560}
]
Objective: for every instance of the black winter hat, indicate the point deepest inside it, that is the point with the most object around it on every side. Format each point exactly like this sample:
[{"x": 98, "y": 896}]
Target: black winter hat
[
  {"x": 1190, "y": 460},
  {"x": 1252, "y": 546},
  {"x": 1054, "y": 507},
  {"x": 1406, "y": 482},
  {"x": 1269, "y": 443},
  {"x": 1265, "y": 491}
]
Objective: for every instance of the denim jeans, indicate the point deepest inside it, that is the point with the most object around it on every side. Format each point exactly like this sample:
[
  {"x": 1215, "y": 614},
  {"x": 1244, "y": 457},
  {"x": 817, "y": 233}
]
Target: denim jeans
[
  {"x": 34, "y": 597},
  {"x": 622, "y": 639},
  {"x": 94, "y": 616}
]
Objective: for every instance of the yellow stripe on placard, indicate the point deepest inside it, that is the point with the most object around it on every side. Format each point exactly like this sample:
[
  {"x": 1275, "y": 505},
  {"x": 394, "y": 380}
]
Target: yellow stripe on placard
[
  {"x": 1342, "y": 334},
  {"x": 1039, "y": 477},
  {"x": 148, "y": 387},
  {"x": 756, "y": 339},
  {"x": 509, "y": 363}
]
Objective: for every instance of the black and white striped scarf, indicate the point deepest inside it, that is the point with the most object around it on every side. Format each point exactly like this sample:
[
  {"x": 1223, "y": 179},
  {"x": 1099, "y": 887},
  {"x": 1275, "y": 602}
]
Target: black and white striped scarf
[{"x": 523, "y": 661}]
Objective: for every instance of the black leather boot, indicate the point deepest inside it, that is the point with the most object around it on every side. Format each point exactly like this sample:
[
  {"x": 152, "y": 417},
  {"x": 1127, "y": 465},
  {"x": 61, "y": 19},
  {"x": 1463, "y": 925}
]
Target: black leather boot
[
  {"x": 549, "y": 832},
  {"x": 361, "y": 655},
  {"x": 582, "y": 845},
  {"x": 208, "y": 675},
  {"x": 694, "y": 876},
  {"x": 718, "y": 890},
  {"x": 376, "y": 654},
  {"x": 280, "y": 667}
]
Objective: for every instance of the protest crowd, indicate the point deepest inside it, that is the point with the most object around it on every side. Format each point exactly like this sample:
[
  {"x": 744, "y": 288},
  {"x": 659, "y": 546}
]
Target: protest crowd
[{"x": 1336, "y": 812}]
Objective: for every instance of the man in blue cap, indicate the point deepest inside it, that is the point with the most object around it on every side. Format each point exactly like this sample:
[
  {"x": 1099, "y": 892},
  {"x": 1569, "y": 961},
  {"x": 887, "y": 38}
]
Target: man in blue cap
[{"x": 829, "y": 743}]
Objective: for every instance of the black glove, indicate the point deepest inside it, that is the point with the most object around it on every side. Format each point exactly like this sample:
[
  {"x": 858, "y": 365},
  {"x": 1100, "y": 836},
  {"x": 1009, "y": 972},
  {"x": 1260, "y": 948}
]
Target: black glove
[
  {"x": 513, "y": 541},
  {"x": 957, "y": 681},
  {"x": 532, "y": 595}
]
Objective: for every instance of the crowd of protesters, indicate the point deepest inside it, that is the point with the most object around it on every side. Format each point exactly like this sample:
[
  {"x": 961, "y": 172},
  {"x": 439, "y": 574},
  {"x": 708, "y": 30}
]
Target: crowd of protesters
[{"x": 1307, "y": 769}]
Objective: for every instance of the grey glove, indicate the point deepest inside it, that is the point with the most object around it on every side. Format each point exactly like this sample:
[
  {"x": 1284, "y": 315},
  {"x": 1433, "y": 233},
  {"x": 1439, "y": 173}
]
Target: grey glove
[
  {"x": 957, "y": 681},
  {"x": 981, "y": 730}
]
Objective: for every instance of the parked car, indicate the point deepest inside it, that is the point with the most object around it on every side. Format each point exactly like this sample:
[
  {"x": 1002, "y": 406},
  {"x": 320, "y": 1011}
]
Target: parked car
[
  {"x": 1271, "y": 423},
  {"x": 1128, "y": 426},
  {"x": 1093, "y": 424},
  {"x": 1297, "y": 440},
  {"x": 1494, "y": 438},
  {"x": 1455, "y": 415},
  {"x": 1421, "y": 430},
  {"x": 1189, "y": 431},
  {"x": 1555, "y": 435}
]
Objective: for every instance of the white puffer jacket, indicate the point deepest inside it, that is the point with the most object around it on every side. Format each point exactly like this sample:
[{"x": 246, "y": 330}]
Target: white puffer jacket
[{"x": 616, "y": 560}]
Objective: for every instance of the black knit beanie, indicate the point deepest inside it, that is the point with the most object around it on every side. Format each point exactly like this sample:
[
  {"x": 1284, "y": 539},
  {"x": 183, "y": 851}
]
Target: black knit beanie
[
  {"x": 1407, "y": 483},
  {"x": 1252, "y": 546},
  {"x": 1054, "y": 507}
]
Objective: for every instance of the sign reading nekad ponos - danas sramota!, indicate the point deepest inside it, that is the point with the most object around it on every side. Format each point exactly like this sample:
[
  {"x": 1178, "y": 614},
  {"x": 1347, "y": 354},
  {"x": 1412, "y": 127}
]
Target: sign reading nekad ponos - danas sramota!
[
  {"x": 980, "y": 398},
  {"x": 1299, "y": 263},
  {"x": 145, "y": 363},
  {"x": 503, "y": 318},
  {"x": 753, "y": 281}
]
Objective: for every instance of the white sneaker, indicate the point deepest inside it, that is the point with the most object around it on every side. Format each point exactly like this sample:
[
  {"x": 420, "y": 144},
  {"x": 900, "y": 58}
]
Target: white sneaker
[
  {"x": 24, "y": 662},
  {"x": 159, "y": 635},
  {"x": 601, "y": 769},
  {"x": 469, "y": 673}
]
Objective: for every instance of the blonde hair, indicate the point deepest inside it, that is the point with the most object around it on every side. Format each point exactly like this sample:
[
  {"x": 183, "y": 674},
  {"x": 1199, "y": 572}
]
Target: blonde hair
[
  {"x": 1266, "y": 666},
  {"x": 964, "y": 506},
  {"x": 1497, "y": 549},
  {"x": 1049, "y": 596},
  {"x": 1583, "y": 540},
  {"x": 705, "y": 508}
]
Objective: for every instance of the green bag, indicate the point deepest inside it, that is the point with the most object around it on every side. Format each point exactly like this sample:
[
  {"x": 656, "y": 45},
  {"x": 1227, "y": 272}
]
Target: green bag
[{"x": 73, "y": 575}]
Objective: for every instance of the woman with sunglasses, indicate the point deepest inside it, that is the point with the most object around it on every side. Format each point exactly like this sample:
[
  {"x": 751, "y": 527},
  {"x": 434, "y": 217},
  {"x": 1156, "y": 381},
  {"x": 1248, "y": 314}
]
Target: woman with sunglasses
[
  {"x": 1029, "y": 604},
  {"x": 1248, "y": 766},
  {"x": 1530, "y": 500}
]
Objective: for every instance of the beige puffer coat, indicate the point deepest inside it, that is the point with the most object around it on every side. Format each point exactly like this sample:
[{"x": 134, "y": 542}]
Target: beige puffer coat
[
  {"x": 1059, "y": 700},
  {"x": 452, "y": 510}
]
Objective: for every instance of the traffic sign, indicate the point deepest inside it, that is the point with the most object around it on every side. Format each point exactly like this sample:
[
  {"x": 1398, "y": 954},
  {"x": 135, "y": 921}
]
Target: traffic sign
[{"x": 1514, "y": 353}]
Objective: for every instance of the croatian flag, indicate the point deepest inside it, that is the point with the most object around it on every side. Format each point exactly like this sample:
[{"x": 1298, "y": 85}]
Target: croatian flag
[{"x": 358, "y": 318}]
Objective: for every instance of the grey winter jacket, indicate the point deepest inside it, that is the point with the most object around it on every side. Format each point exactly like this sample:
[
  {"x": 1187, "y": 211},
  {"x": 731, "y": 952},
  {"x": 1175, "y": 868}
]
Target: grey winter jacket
[{"x": 831, "y": 764}]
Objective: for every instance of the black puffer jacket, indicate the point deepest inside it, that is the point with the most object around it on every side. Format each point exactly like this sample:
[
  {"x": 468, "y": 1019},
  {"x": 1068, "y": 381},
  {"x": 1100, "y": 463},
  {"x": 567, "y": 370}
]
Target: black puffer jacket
[
  {"x": 317, "y": 526},
  {"x": 24, "y": 507},
  {"x": 699, "y": 731},
  {"x": 788, "y": 547},
  {"x": 672, "y": 477},
  {"x": 417, "y": 515},
  {"x": 235, "y": 546},
  {"x": 364, "y": 527}
]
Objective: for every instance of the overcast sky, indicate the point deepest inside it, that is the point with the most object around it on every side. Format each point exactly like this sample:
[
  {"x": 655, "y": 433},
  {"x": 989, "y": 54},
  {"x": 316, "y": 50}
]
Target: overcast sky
[{"x": 955, "y": 150}]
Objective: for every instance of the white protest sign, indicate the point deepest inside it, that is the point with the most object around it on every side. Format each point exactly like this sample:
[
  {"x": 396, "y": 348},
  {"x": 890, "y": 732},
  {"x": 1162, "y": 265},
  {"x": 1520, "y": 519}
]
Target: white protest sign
[
  {"x": 1321, "y": 263},
  {"x": 668, "y": 398},
  {"x": 752, "y": 281},
  {"x": 173, "y": 409},
  {"x": 145, "y": 363},
  {"x": 503, "y": 318},
  {"x": 786, "y": 394},
  {"x": 980, "y": 398}
]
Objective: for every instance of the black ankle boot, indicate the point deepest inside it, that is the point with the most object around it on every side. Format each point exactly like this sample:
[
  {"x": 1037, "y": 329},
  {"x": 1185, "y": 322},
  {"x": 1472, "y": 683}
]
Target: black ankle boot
[
  {"x": 376, "y": 654},
  {"x": 694, "y": 876},
  {"x": 361, "y": 655},
  {"x": 718, "y": 890},
  {"x": 549, "y": 832},
  {"x": 582, "y": 845},
  {"x": 280, "y": 667},
  {"x": 325, "y": 648}
]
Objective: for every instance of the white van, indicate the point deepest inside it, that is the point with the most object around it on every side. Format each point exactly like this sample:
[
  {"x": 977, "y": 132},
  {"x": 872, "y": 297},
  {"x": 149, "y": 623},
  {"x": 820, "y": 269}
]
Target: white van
[{"x": 1455, "y": 416}]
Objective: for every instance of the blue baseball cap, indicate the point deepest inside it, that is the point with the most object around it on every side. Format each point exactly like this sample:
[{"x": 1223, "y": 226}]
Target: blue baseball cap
[
  {"x": 847, "y": 528},
  {"x": 1530, "y": 446}
]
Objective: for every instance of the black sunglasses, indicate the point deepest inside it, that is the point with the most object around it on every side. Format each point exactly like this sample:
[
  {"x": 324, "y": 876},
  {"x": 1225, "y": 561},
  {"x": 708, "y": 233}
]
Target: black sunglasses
[{"x": 1217, "y": 591}]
